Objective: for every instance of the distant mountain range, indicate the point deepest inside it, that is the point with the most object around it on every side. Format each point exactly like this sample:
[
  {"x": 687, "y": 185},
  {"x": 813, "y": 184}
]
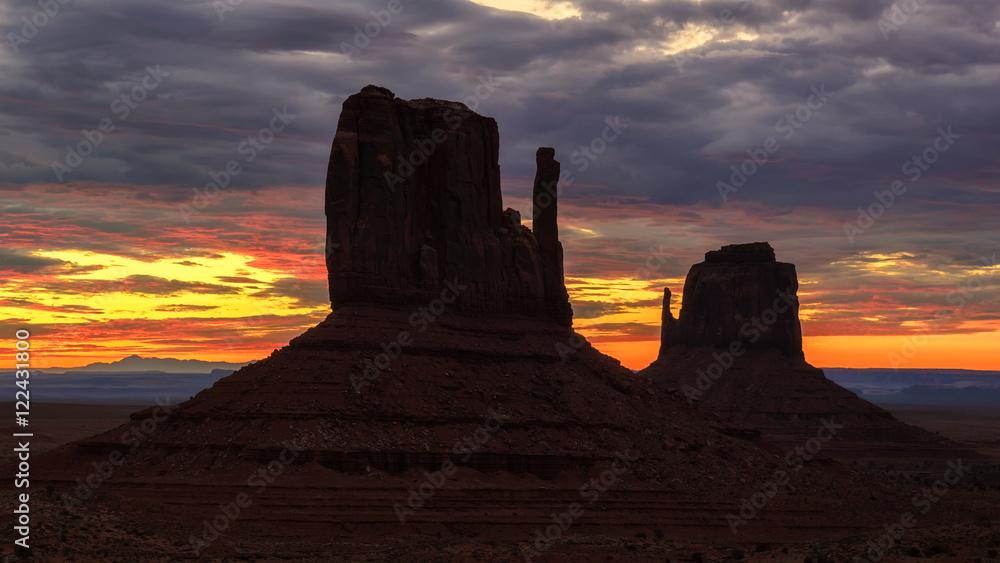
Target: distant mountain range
[
  {"x": 943, "y": 387},
  {"x": 133, "y": 380},
  {"x": 136, "y": 364}
]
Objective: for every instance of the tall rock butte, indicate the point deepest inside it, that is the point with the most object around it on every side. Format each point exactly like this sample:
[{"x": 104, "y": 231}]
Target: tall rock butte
[
  {"x": 413, "y": 205},
  {"x": 736, "y": 349}
]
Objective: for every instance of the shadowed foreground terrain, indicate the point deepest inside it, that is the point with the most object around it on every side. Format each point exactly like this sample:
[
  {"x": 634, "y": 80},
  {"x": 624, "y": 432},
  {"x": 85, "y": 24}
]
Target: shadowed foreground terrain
[{"x": 136, "y": 535}]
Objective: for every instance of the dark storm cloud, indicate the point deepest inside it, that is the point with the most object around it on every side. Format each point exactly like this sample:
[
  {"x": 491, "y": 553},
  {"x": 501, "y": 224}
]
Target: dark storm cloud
[
  {"x": 33, "y": 305},
  {"x": 626, "y": 328},
  {"x": 592, "y": 309},
  {"x": 304, "y": 292},
  {"x": 22, "y": 262},
  {"x": 137, "y": 283},
  {"x": 560, "y": 82}
]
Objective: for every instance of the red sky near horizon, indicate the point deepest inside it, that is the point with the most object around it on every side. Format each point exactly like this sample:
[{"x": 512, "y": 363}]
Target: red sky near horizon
[
  {"x": 98, "y": 262},
  {"x": 234, "y": 287}
]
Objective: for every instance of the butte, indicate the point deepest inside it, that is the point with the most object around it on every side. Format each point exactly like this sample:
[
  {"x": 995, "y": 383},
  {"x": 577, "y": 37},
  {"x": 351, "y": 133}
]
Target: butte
[{"x": 736, "y": 349}]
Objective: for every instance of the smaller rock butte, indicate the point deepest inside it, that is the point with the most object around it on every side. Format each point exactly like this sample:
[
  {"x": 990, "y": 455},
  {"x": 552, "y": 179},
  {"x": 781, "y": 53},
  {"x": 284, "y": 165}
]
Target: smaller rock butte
[
  {"x": 736, "y": 349},
  {"x": 725, "y": 293},
  {"x": 413, "y": 204}
]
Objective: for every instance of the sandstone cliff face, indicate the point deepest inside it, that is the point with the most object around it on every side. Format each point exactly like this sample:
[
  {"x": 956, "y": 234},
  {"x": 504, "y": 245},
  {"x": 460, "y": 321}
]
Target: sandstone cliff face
[
  {"x": 739, "y": 293},
  {"x": 413, "y": 201}
]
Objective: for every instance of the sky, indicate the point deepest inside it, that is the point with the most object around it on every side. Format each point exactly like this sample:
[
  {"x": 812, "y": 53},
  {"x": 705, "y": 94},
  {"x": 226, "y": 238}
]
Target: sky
[{"x": 859, "y": 137}]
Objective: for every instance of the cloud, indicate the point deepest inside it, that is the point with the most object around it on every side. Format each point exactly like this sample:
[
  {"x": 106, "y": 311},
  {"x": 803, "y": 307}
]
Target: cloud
[
  {"x": 622, "y": 329},
  {"x": 584, "y": 309},
  {"x": 236, "y": 279},
  {"x": 304, "y": 292},
  {"x": 155, "y": 285},
  {"x": 35, "y": 306},
  {"x": 22, "y": 262},
  {"x": 186, "y": 308}
]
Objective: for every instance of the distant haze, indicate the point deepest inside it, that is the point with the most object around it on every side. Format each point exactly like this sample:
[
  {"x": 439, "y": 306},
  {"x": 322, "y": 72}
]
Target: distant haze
[
  {"x": 139, "y": 364},
  {"x": 133, "y": 381},
  {"x": 941, "y": 387}
]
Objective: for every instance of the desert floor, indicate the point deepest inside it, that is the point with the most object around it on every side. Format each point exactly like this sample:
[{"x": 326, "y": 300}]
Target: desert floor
[{"x": 103, "y": 530}]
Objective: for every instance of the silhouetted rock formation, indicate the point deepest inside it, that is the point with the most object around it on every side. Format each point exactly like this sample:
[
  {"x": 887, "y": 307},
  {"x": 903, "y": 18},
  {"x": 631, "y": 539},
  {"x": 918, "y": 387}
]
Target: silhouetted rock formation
[
  {"x": 413, "y": 203},
  {"x": 739, "y": 293},
  {"x": 736, "y": 349},
  {"x": 668, "y": 324},
  {"x": 379, "y": 399},
  {"x": 546, "y": 230}
]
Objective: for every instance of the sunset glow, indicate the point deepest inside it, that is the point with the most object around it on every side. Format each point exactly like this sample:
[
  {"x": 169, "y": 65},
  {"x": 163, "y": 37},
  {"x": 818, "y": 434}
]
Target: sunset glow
[
  {"x": 236, "y": 298},
  {"x": 651, "y": 108}
]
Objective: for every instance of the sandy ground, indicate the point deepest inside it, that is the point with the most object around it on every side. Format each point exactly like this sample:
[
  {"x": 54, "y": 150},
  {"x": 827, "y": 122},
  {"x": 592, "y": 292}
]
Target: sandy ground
[
  {"x": 978, "y": 427},
  {"x": 55, "y": 424}
]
